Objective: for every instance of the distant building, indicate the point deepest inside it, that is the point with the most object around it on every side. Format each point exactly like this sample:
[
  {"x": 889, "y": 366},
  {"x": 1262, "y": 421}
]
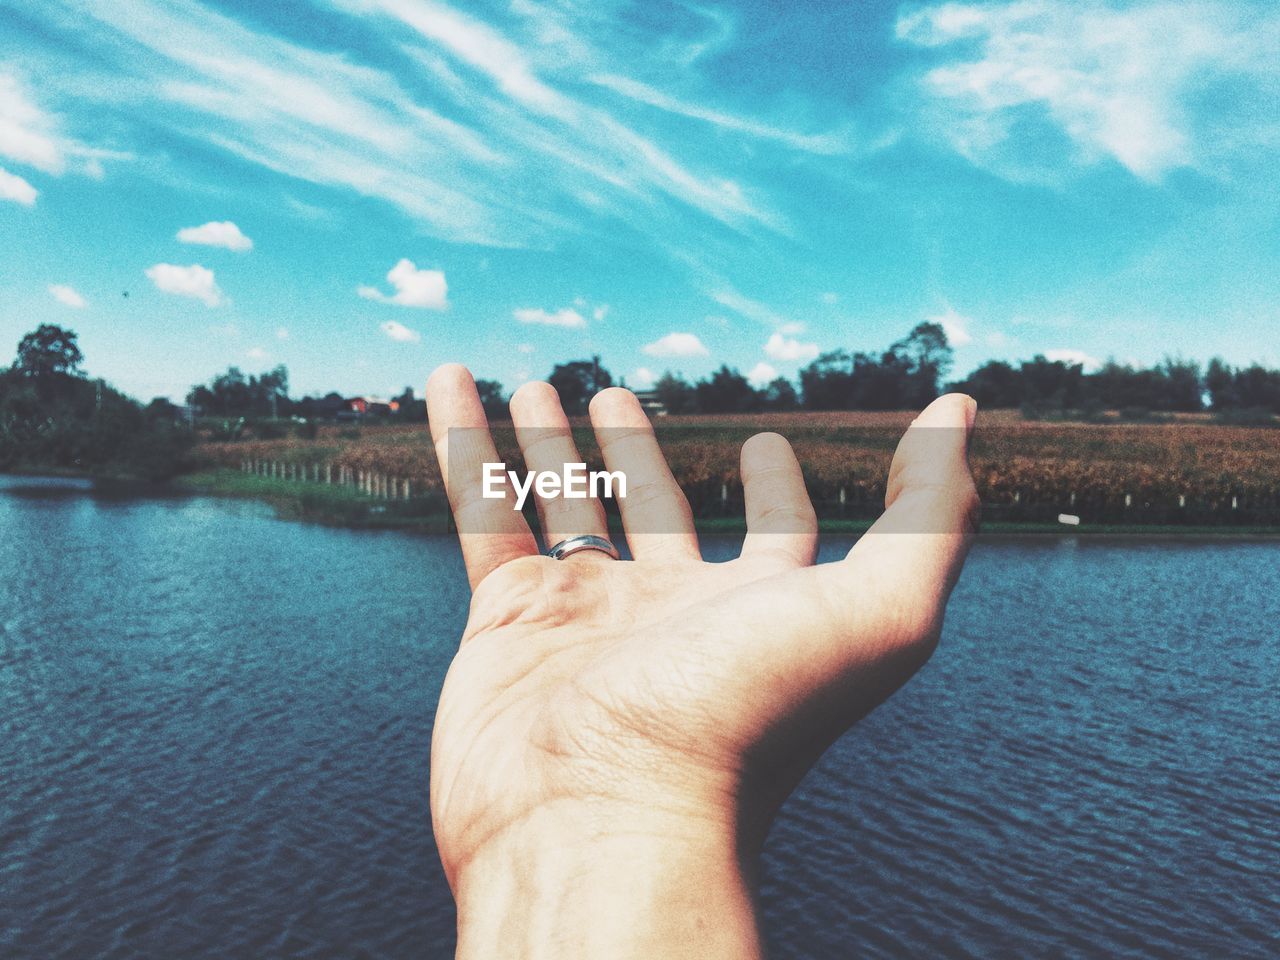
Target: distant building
[
  {"x": 358, "y": 408},
  {"x": 650, "y": 403}
]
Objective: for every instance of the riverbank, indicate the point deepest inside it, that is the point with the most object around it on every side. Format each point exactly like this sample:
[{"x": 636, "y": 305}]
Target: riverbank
[{"x": 346, "y": 506}]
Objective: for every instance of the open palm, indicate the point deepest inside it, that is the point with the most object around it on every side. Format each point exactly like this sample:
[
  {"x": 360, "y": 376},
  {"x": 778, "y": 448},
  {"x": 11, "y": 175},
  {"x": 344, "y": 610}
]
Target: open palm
[{"x": 668, "y": 698}]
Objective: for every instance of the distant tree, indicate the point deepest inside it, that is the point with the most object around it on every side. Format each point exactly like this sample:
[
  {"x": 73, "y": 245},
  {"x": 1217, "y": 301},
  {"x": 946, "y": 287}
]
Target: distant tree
[
  {"x": 494, "y": 399},
  {"x": 1184, "y": 386},
  {"x": 232, "y": 394},
  {"x": 827, "y": 382},
  {"x": 411, "y": 409},
  {"x": 676, "y": 393},
  {"x": 928, "y": 357},
  {"x": 995, "y": 384},
  {"x": 1051, "y": 384},
  {"x": 48, "y": 351},
  {"x": 578, "y": 381},
  {"x": 780, "y": 396},
  {"x": 726, "y": 391},
  {"x": 1258, "y": 388},
  {"x": 1220, "y": 382},
  {"x": 161, "y": 409}
]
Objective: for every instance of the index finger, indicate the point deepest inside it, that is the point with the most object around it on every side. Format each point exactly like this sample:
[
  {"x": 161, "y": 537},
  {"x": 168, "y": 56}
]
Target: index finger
[{"x": 491, "y": 531}]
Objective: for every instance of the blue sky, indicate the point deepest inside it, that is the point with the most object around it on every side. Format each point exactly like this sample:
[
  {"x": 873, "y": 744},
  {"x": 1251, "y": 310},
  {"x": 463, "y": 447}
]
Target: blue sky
[{"x": 363, "y": 189}]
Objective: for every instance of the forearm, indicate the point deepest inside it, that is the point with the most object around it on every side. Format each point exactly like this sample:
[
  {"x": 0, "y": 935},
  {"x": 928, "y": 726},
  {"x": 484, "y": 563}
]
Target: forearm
[{"x": 632, "y": 894}]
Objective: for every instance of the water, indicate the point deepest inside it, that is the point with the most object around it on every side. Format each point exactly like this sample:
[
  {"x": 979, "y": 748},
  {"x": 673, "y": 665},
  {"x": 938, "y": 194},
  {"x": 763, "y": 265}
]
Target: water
[{"x": 214, "y": 730}]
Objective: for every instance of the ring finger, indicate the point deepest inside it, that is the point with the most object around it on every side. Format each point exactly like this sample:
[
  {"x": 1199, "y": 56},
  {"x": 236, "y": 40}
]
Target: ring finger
[{"x": 546, "y": 440}]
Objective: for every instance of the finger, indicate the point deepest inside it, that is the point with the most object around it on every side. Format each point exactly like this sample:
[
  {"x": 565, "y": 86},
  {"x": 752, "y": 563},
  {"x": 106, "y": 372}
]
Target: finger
[
  {"x": 914, "y": 552},
  {"x": 492, "y": 531},
  {"x": 546, "y": 440},
  {"x": 780, "y": 517},
  {"x": 655, "y": 513},
  {"x": 833, "y": 641}
]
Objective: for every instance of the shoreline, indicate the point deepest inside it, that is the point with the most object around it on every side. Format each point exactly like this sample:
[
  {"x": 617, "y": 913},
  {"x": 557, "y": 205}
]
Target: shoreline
[{"x": 345, "y": 507}]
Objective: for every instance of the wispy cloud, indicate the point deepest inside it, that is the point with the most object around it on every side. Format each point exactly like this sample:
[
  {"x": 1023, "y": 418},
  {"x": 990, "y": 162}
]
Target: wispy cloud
[
  {"x": 414, "y": 288},
  {"x": 484, "y": 143},
  {"x": 217, "y": 233},
  {"x": 1110, "y": 82},
  {"x": 32, "y": 136},
  {"x": 753, "y": 310},
  {"x": 192, "y": 281},
  {"x": 824, "y": 143}
]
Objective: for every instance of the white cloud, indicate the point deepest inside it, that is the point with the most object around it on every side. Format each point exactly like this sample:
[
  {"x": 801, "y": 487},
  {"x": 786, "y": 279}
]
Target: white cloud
[
  {"x": 830, "y": 298},
  {"x": 194, "y": 281},
  {"x": 1071, "y": 356},
  {"x": 400, "y": 333},
  {"x": 414, "y": 288},
  {"x": 217, "y": 233},
  {"x": 525, "y": 348},
  {"x": 789, "y": 350},
  {"x": 676, "y": 345},
  {"x": 955, "y": 325},
  {"x": 67, "y": 296},
  {"x": 566, "y": 317},
  {"x": 1117, "y": 82},
  {"x": 762, "y": 374},
  {"x": 600, "y": 312},
  {"x": 282, "y": 333},
  {"x": 644, "y": 378},
  {"x": 256, "y": 353},
  {"x": 13, "y": 187}
]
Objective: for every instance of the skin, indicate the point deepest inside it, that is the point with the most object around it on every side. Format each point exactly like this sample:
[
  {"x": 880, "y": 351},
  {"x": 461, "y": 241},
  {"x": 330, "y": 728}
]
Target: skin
[{"x": 614, "y": 737}]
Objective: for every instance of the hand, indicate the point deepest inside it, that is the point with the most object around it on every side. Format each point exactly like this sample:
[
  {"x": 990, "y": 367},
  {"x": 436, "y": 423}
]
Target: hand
[{"x": 614, "y": 737}]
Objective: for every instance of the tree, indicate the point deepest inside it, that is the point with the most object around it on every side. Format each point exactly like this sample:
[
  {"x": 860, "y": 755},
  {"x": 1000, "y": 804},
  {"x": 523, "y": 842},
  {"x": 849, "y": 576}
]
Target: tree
[
  {"x": 494, "y": 399},
  {"x": 827, "y": 382},
  {"x": 727, "y": 391},
  {"x": 780, "y": 396},
  {"x": 578, "y": 381},
  {"x": 924, "y": 357},
  {"x": 675, "y": 393},
  {"x": 46, "y": 353},
  {"x": 995, "y": 384}
]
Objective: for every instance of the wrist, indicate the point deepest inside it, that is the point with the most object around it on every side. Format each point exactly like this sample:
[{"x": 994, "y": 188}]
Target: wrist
[{"x": 579, "y": 883}]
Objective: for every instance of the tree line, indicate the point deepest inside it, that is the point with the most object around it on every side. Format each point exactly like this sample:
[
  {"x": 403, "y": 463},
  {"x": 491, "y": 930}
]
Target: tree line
[
  {"x": 904, "y": 376},
  {"x": 52, "y": 417}
]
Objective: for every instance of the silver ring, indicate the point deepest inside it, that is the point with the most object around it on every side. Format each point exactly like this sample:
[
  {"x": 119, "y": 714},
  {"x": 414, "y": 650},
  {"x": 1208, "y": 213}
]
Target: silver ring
[{"x": 567, "y": 548}]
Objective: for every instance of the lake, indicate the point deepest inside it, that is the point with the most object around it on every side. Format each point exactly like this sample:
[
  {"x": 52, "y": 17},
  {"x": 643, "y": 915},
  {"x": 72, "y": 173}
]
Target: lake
[{"x": 214, "y": 731}]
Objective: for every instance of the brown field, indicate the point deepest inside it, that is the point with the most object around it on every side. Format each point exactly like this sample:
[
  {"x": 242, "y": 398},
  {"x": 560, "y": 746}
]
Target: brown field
[{"x": 1187, "y": 471}]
